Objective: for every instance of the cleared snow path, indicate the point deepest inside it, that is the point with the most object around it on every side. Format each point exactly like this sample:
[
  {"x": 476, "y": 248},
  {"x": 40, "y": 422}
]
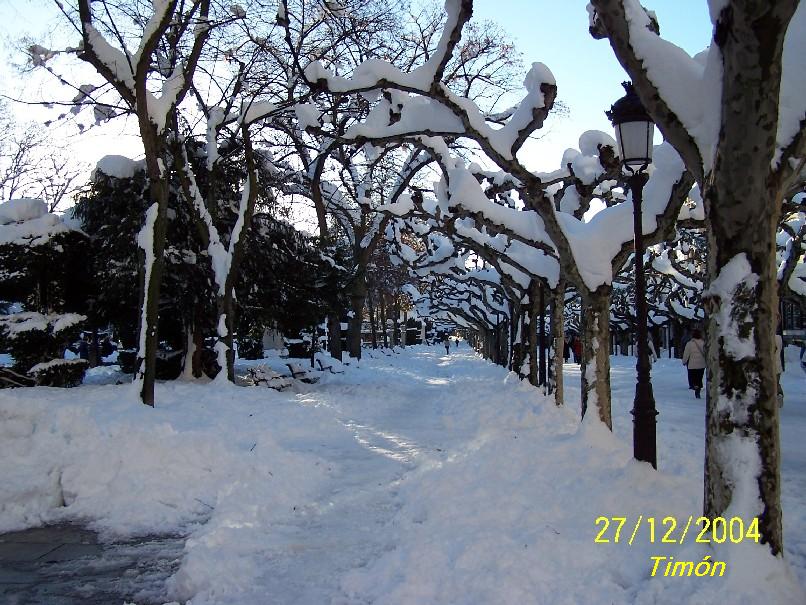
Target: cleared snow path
[{"x": 393, "y": 425}]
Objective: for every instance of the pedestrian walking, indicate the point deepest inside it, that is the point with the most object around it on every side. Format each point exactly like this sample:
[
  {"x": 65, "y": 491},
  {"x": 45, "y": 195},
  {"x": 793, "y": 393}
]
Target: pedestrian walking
[
  {"x": 576, "y": 349},
  {"x": 84, "y": 348},
  {"x": 566, "y": 350},
  {"x": 447, "y": 345},
  {"x": 694, "y": 360}
]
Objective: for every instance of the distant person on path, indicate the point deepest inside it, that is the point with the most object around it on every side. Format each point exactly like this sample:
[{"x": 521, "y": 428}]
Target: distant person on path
[
  {"x": 447, "y": 345},
  {"x": 694, "y": 360},
  {"x": 84, "y": 348},
  {"x": 576, "y": 349},
  {"x": 653, "y": 354},
  {"x": 566, "y": 350}
]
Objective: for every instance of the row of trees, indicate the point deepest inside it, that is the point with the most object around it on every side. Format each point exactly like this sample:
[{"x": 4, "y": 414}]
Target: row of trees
[
  {"x": 76, "y": 271},
  {"x": 366, "y": 108}
]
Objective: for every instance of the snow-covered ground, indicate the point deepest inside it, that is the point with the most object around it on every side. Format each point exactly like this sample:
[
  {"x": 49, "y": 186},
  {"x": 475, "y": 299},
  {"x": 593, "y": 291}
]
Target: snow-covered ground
[{"x": 419, "y": 478}]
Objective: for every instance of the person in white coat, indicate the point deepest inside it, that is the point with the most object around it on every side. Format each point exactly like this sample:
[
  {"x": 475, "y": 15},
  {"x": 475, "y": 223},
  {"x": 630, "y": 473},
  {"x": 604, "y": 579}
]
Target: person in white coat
[
  {"x": 694, "y": 360},
  {"x": 653, "y": 354}
]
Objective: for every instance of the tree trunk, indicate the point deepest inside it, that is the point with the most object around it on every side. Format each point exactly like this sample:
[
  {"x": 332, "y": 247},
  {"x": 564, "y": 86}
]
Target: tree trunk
[
  {"x": 742, "y": 455},
  {"x": 239, "y": 237},
  {"x": 534, "y": 357},
  {"x": 396, "y": 324},
  {"x": 502, "y": 343},
  {"x": 372, "y": 325},
  {"x": 515, "y": 358},
  {"x": 151, "y": 240},
  {"x": 742, "y": 195},
  {"x": 595, "y": 366},
  {"x": 225, "y": 329},
  {"x": 558, "y": 329},
  {"x": 198, "y": 350},
  {"x": 526, "y": 354},
  {"x": 334, "y": 336},
  {"x": 355, "y": 325},
  {"x": 742, "y": 408},
  {"x": 383, "y": 322},
  {"x": 188, "y": 363},
  {"x": 743, "y": 204},
  {"x": 358, "y": 297},
  {"x": 541, "y": 337}
]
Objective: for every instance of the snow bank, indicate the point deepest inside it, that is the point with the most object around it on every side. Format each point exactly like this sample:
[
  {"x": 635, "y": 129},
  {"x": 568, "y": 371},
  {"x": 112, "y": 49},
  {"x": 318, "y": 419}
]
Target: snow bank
[
  {"x": 93, "y": 454},
  {"x": 420, "y": 478}
]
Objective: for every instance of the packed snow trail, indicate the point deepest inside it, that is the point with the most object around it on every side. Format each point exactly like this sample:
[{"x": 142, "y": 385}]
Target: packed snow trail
[{"x": 393, "y": 423}]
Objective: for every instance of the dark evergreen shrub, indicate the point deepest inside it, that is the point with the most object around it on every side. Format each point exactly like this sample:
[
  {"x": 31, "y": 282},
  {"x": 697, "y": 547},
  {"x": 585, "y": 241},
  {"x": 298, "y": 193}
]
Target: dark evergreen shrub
[
  {"x": 60, "y": 372},
  {"x": 250, "y": 346},
  {"x": 37, "y": 342}
]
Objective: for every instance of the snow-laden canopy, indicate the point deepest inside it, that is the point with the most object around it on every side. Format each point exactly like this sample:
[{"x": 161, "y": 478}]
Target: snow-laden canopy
[{"x": 27, "y": 222}]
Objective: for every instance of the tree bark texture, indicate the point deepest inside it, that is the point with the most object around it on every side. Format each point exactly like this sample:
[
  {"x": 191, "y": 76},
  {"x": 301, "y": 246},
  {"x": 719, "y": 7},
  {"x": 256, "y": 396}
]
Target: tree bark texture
[
  {"x": 541, "y": 338},
  {"x": 743, "y": 205},
  {"x": 534, "y": 310},
  {"x": 383, "y": 322},
  {"x": 238, "y": 248},
  {"x": 396, "y": 321},
  {"x": 595, "y": 366},
  {"x": 334, "y": 336},
  {"x": 154, "y": 262},
  {"x": 742, "y": 193},
  {"x": 358, "y": 297},
  {"x": 226, "y": 314},
  {"x": 372, "y": 323},
  {"x": 558, "y": 330},
  {"x": 515, "y": 357}
]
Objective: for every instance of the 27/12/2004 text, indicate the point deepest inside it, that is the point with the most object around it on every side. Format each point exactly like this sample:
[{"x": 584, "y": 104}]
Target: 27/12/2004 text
[{"x": 669, "y": 531}]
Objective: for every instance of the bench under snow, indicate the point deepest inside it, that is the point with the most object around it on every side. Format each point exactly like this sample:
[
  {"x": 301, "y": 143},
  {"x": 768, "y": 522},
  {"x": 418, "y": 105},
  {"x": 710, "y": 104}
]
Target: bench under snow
[
  {"x": 329, "y": 364},
  {"x": 301, "y": 373},
  {"x": 266, "y": 376}
]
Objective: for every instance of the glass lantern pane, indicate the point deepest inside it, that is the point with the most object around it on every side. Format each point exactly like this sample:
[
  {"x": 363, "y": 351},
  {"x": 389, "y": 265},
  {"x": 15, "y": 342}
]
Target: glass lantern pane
[{"x": 635, "y": 142}]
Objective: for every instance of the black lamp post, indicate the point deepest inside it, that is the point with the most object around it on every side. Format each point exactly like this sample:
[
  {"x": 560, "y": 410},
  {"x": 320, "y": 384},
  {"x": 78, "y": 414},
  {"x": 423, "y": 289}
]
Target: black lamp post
[{"x": 634, "y": 131}]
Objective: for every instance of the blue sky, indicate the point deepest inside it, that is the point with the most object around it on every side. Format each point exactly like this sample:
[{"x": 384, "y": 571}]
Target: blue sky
[{"x": 553, "y": 32}]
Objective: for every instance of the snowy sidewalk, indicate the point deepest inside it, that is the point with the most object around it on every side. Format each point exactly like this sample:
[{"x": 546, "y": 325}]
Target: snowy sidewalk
[
  {"x": 415, "y": 479},
  {"x": 389, "y": 425}
]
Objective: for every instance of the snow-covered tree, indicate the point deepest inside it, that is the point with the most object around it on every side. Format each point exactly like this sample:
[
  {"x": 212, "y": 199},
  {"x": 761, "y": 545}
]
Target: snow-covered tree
[
  {"x": 417, "y": 105},
  {"x": 148, "y": 60},
  {"x": 736, "y": 114},
  {"x": 41, "y": 262}
]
